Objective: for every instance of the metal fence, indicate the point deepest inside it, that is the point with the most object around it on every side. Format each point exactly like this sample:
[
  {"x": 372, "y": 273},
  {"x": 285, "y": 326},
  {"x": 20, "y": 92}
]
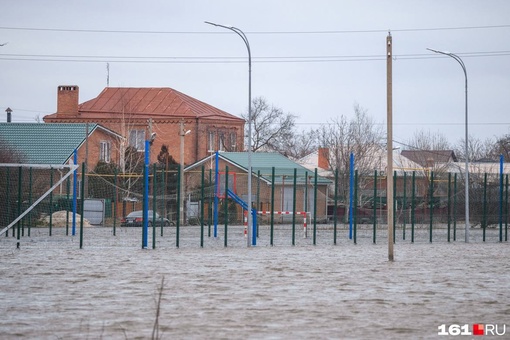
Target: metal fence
[{"x": 295, "y": 200}]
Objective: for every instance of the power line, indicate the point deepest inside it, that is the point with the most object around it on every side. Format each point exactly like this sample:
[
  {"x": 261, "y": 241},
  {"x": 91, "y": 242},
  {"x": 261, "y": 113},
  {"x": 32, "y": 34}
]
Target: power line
[
  {"x": 229, "y": 60},
  {"x": 254, "y": 32},
  {"x": 483, "y": 53}
]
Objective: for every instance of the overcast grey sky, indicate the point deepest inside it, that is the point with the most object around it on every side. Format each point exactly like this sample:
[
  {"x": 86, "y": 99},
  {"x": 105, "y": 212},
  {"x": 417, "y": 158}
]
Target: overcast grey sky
[{"x": 314, "y": 59}]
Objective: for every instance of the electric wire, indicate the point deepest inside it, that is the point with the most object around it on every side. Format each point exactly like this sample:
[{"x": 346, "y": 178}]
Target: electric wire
[
  {"x": 254, "y": 32},
  {"x": 230, "y": 60}
]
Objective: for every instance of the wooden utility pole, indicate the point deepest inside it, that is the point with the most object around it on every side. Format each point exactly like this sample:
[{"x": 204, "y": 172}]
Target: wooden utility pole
[{"x": 389, "y": 144}]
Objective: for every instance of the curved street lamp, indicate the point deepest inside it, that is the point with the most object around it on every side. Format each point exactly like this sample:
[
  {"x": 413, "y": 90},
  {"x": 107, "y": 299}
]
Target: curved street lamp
[
  {"x": 457, "y": 58},
  {"x": 249, "y": 203}
]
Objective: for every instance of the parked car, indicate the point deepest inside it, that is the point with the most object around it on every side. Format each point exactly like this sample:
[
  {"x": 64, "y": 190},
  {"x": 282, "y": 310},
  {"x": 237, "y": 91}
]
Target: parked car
[{"x": 135, "y": 219}]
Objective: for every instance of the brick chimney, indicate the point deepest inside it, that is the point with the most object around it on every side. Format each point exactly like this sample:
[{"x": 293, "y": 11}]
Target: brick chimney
[
  {"x": 67, "y": 99},
  {"x": 323, "y": 161}
]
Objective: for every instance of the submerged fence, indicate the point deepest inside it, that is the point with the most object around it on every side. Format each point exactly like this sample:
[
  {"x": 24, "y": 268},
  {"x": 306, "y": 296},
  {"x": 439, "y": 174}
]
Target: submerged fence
[{"x": 296, "y": 200}]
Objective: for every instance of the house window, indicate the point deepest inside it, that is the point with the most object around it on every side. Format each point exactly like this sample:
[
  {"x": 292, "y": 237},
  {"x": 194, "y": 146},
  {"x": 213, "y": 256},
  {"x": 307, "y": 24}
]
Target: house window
[
  {"x": 221, "y": 138},
  {"x": 233, "y": 140},
  {"x": 211, "y": 142},
  {"x": 137, "y": 139},
  {"x": 104, "y": 152}
]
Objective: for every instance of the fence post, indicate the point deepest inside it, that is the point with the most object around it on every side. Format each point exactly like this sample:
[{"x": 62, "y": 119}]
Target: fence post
[
  {"x": 162, "y": 191},
  {"x": 501, "y": 198},
  {"x": 202, "y": 207},
  {"x": 165, "y": 188},
  {"x": 178, "y": 206},
  {"x": 216, "y": 191},
  {"x": 115, "y": 193},
  {"x": 272, "y": 205},
  {"x": 351, "y": 193},
  {"x": 294, "y": 208},
  {"x": 315, "y": 209},
  {"x": 449, "y": 202},
  {"x": 455, "y": 206},
  {"x": 154, "y": 206},
  {"x": 394, "y": 206},
  {"x": 305, "y": 235},
  {"x": 484, "y": 217},
  {"x": 51, "y": 201},
  {"x": 20, "y": 198},
  {"x": 210, "y": 207},
  {"x": 355, "y": 205},
  {"x": 75, "y": 190},
  {"x": 30, "y": 203},
  {"x": 8, "y": 192},
  {"x": 258, "y": 202},
  {"x": 404, "y": 208},
  {"x": 82, "y": 194},
  {"x": 506, "y": 208},
  {"x": 225, "y": 202},
  {"x": 431, "y": 203},
  {"x": 375, "y": 206},
  {"x": 413, "y": 205},
  {"x": 335, "y": 210}
]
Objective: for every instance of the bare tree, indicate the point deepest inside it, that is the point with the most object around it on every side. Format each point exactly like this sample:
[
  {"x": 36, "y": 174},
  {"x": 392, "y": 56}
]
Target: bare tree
[
  {"x": 301, "y": 144},
  {"x": 9, "y": 154},
  {"x": 271, "y": 127},
  {"x": 360, "y": 136},
  {"x": 479, "y": 150},
  {"x": 426, "y": 140},
  {"x": 502, "y": 147},
  {"x": 130, "y": 159}
]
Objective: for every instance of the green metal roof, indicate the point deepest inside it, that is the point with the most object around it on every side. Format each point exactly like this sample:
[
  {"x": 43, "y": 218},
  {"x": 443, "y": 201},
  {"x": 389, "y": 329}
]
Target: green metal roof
[
  {"x": 265, "y": 161},
  {"x": 45, "y": 143}
]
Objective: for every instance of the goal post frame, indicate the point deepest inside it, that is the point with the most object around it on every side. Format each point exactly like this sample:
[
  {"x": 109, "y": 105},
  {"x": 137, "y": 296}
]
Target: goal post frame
[{"x": 72, "y": 169}]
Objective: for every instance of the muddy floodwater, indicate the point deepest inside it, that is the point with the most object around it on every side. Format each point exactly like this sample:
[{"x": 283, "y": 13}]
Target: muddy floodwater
[{"x": 51, "y": 289}]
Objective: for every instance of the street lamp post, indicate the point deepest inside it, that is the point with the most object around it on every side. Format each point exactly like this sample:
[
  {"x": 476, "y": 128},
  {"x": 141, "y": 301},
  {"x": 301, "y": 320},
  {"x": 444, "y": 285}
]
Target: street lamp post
[
  {"x": 249, "y": 203},
  {"x": 466, "y": 177}
]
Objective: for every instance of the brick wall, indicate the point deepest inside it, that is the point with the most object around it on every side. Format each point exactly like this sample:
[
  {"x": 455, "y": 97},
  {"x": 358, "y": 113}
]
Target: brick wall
[
  {"x": 94, "y": 142},
  {"x": 67, "y": 99}
]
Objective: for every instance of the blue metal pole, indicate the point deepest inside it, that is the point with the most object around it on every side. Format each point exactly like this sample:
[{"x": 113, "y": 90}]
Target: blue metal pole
[
  {"x": 75, "y": 191},
  {"x": 254, "y": 226},
  {"x": 351, "y": 193},
  {"x": 216, "y": 183},
  {"x": 145, "y": 232}
]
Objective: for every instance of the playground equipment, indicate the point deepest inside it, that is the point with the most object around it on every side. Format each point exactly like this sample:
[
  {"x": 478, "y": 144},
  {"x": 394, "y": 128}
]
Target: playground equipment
[{"x": 244, "y": 205}]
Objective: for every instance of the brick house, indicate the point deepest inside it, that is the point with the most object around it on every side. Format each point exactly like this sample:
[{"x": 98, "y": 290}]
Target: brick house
[
  {"x": 262, "y": 164},
  {"x": 51, "y": 144},
  {"x": 55, "y": 143},
  {"x": 136, "y": 113}
]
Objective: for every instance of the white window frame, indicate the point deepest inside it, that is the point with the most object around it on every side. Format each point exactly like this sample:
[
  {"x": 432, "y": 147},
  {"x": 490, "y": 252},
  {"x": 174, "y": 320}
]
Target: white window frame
[
  {"x": 221, "y": 142},
  {"x": 105, "y": 148},
  {"x": 137, "y": 139},
  {"x": 233, "y": 141},
  {"x": 212, "y": 148}
]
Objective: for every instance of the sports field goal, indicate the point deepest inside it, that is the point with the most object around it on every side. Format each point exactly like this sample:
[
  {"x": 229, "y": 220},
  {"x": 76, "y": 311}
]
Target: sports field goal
[{"x": 30, "y": 191}]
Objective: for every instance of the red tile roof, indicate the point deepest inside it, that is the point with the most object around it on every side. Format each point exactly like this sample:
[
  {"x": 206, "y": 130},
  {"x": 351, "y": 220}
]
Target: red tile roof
[{"x": 162, "y": 102}]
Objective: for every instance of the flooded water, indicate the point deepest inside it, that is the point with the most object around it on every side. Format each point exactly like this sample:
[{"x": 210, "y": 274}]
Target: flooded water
[{"x": 51, "y": 289}]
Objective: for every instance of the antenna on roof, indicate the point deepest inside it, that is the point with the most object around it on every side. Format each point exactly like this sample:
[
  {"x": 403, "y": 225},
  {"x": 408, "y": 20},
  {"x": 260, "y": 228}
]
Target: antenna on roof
[{"x": 107, "y": 74}]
